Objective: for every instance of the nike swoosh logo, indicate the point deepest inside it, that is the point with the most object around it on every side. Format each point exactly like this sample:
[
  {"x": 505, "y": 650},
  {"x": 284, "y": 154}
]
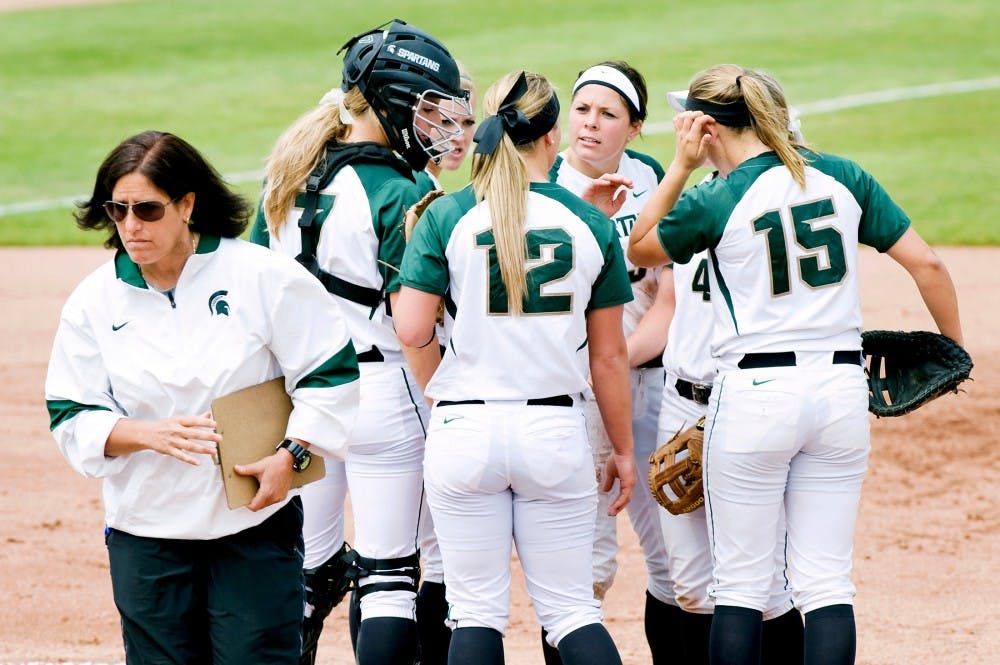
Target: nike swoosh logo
[
  {"x": 119, "y": 327},
  {"x": 757, "y": 383},
  {"x": 448, "y": 420},
  {"x": 638, "y": 194}
]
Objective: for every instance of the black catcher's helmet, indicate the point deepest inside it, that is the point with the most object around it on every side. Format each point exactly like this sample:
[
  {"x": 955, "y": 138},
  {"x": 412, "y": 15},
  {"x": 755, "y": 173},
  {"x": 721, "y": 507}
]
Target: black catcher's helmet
[{"x": 400, "y": 70}]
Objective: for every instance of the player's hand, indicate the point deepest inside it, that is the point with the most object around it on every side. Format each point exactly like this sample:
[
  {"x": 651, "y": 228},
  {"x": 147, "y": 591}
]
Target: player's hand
[
  {"x": 693, "y": 139},
  {"x": 179, "y": 436},
  {"x": 274, "y": 473},
  {"x": 621, "y": 467},
  {"x": 608, "y": 193}
]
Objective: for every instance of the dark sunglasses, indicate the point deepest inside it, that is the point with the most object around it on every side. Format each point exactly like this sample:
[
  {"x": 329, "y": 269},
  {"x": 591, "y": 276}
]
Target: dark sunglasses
[{"x": 147, "y": 211}]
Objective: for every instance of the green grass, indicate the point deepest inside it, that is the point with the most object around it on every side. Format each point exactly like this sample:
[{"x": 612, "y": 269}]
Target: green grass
[{"x": 229, "y": 76}]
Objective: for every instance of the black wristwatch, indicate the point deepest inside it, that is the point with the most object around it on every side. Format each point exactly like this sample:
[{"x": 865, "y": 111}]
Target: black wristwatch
[{"x": 302, "y": 458}]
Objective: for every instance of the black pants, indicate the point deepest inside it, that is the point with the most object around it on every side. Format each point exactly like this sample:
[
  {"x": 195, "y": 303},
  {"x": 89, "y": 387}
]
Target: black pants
[{"x": 236, "y": 599}]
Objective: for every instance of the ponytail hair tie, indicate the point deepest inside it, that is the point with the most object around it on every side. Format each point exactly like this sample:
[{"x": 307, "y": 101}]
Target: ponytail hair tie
[
  {"x": 336, "y": 96},
  {"x": 739, "y": 86},
  {"x": 511, "y": 121}
]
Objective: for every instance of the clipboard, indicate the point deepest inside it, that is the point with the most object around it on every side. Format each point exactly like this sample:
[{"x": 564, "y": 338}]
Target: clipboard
[{"x": 252, "y": 423}]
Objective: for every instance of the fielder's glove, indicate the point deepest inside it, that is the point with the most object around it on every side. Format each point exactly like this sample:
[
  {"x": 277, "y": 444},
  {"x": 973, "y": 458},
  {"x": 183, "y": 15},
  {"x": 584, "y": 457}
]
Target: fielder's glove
[
  {"x": 413, "y": 213},
  {"x": 410, "y": 219},
  {"x": 908, "y": 369},
  {"x": 675, "y": 471}
]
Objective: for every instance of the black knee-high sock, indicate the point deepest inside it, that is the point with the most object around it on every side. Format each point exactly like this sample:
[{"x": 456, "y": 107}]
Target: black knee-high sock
[
  {"x": 830, "y": 636},
  {"x": 475, "y": 646},
  {"x": 387, "y": 641},
  {"x": 354, "y": 619},
  {"x": 781, "y": 640},
  {"x": 735, "y": 636},
  {"x": 549, "y": 652},
  {"x": 435, "y": 636},
  {"x": 589, "y": 645},
  {"x": 697, "y": 629},
  {"x": 664, "y": 630}
]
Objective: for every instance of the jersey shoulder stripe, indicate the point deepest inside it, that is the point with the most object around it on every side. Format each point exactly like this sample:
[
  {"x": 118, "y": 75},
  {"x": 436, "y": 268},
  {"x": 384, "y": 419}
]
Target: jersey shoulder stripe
[
  {"x": 554, "y": 171},
  {"x": 612, "y": 286},
  {"x": 596, "y": 221},
  {"x": 699, "y": 218},
  {"x": 648, "y": 161},
  {"x": 425, "y": 265},
  {"x": 882, "y": 222},
  {"x": 387, "y": 191}
]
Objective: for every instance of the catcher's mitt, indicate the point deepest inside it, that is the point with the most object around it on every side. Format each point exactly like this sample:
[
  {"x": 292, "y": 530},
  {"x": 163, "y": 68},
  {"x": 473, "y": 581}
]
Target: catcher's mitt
[
  {"x": 675, "y": 471},
  {"x": 908, "y": 369}
]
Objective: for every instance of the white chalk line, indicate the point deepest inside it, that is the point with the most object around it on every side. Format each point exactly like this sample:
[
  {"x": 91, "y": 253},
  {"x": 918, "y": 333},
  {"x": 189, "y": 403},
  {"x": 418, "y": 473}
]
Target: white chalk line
[
  {"x": 661, "y": 127},
  {"x": 868, "y": 99}
]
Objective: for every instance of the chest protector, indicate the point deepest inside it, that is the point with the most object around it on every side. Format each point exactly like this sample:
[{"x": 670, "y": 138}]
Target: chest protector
[{"x": 336, "y": 157}]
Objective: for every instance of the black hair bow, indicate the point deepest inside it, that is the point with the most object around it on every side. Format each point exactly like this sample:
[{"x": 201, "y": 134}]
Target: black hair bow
[{"x": 508, "y": 119}]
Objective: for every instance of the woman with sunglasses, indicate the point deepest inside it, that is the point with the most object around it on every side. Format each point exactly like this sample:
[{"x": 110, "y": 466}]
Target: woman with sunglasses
[
  {"x": 183, "y": 314},
  {"x": 535, "y": 274},
  {"x": 787, "y": 428},
  {"x": 335, "y": 198}
]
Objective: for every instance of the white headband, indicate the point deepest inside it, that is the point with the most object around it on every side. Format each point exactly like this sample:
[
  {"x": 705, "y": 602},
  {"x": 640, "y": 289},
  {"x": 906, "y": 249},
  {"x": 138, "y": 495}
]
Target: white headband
[{"x": 611, "y": 78}]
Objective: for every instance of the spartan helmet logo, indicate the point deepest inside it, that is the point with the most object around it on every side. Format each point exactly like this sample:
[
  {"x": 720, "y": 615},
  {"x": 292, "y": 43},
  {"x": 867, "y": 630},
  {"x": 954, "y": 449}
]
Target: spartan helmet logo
[{"x": 217, "y": 303}]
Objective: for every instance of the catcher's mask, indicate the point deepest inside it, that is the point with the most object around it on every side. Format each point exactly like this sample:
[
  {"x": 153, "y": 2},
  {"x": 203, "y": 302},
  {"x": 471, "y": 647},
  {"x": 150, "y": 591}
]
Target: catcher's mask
[{"x": 412, "y": 83}]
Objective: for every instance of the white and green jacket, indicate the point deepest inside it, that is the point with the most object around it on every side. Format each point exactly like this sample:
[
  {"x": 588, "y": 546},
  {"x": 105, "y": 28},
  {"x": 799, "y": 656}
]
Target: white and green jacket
[{"x": 239, "y": 315}]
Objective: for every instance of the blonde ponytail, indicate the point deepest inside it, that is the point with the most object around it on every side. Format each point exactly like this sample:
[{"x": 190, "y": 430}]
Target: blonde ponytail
[
  {"x": 765, "y": 101},
  {"x": 299, "y": 150},
  {"x": 501, "y": 180}
]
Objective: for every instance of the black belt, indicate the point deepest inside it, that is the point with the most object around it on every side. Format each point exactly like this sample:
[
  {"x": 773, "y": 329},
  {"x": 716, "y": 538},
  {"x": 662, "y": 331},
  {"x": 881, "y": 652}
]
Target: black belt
[
  {"x": 372, "y": 355},
  {"x": 655, "y": 361},
  {"x": 787, "y": 359},
  {"x": 696, "y": 392},
  {"x": 558, "y": 400}
]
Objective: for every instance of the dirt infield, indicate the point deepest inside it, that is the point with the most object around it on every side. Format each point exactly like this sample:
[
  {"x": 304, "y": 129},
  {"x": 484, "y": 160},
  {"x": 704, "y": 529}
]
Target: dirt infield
[{"x": 926, "y": 549}]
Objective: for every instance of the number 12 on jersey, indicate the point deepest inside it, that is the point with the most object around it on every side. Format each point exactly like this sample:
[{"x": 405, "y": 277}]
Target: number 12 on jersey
[
  {"x": 808, "y": 236},
  {"x": 550, "y": 259}
]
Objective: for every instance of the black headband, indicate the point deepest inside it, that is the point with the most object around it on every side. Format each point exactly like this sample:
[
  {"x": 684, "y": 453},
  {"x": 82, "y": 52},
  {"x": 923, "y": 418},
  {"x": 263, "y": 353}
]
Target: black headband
[
  {"x": 512, "y": 121},
  {"x": 733, "y": 114}
]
